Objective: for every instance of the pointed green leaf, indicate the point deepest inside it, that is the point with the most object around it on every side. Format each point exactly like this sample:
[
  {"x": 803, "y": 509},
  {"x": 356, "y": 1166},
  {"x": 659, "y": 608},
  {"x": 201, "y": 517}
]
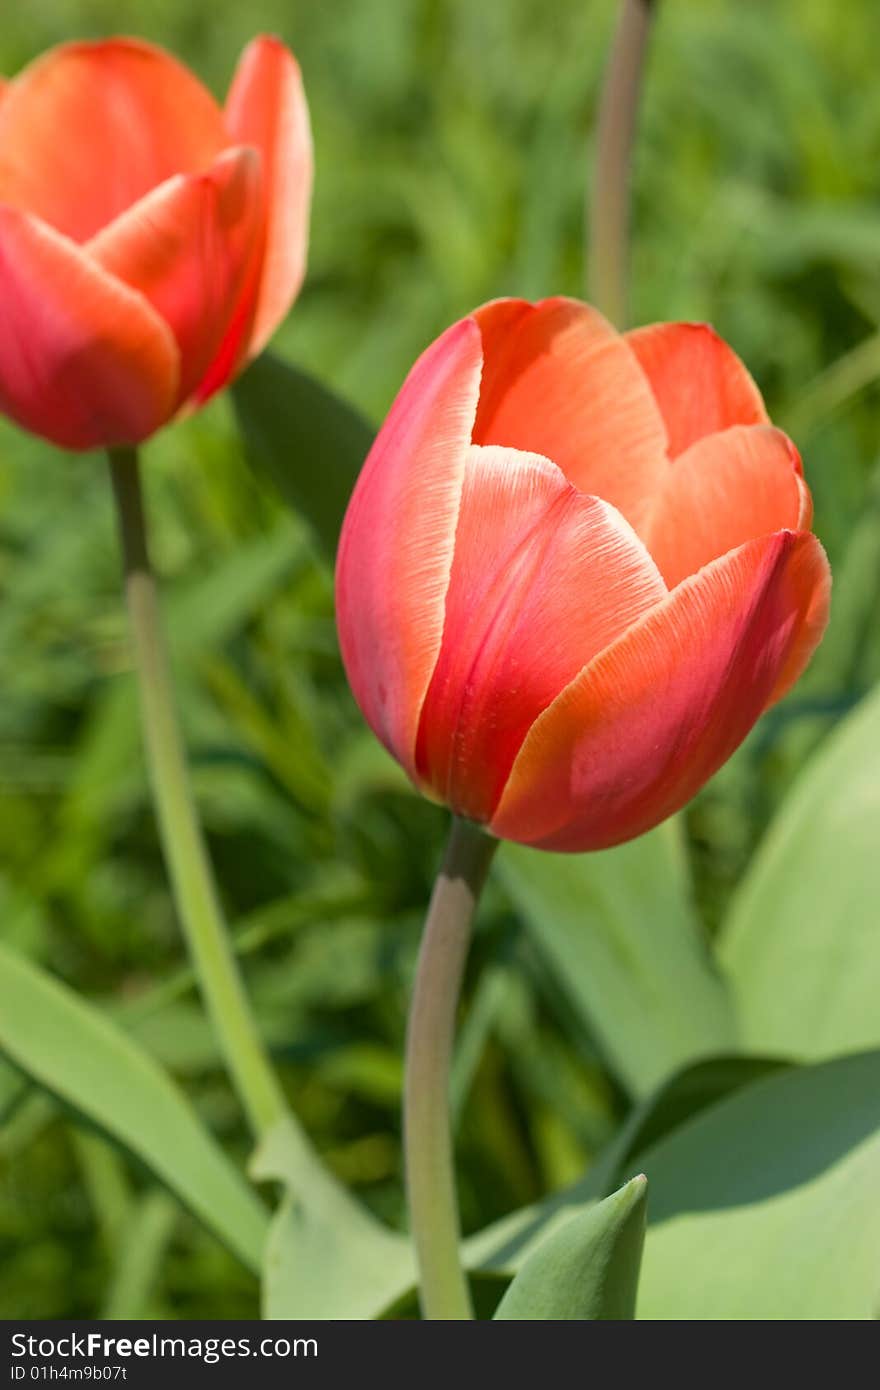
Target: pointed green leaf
[
  {"x": 765, "y": 1206},
  {"x": 326, "y": 1256},
  {"x": 308, "y": 441},
  {"x": 74, "y": 1051},
  {"x": 802, "y": 941},
  {"x": 587, "y": 1267},
  {"x": 620, "y": 930}
]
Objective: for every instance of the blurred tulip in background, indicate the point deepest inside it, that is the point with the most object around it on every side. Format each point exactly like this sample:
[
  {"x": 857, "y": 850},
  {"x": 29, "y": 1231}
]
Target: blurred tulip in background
[{"x": 150, "y": 242}]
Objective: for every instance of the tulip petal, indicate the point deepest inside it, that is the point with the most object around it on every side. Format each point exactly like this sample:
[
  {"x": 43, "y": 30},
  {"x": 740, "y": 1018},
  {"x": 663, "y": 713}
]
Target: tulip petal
[
  {"x": 266, "y": 108},
  {"x": 189, "y": 248},
  {"x": 700, "y": 384},
  {"x": 84, "y": 360},
  {"x": 395, "y": 552},
  {"x": 724, "y": 490},
  {"x": 543, "y": 578},
  {"x": 559, "y": 381},
  {"x": 639, "y": 731},
  {"x": 89, "y": 128}
]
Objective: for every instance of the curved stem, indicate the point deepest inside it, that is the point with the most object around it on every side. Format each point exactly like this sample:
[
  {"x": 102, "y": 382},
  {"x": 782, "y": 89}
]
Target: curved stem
[
  {"x": 430, "y": 1171},
  {"x": 184, "y": 848},
  {"x": 609, "y": 205}
]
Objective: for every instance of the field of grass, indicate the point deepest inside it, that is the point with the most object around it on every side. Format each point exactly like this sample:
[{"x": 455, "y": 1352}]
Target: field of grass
[{"x": 453, "y": 141}]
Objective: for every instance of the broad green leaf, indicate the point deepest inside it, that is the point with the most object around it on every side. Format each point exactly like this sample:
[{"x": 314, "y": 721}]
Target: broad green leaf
[
  {"x": 765, "y": 1206},
  {"x": 507, "y": 1243},
  {"x": 306, "y": 439},
  {"x": 679, "y": 1100},
  {"x": 326, "y": 1256},
  {"x": 77, "y": 1054},
  {"x": 588, "y": 1268},
  {"x": 802, "y": 942},
  {"x": 620, "y": 930}
]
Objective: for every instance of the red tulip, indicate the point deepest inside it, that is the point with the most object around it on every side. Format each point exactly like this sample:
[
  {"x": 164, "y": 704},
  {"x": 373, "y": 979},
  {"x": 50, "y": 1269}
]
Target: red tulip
[
  {"x": 150, "y": 242},
  {"x": 576, "y": 568}
]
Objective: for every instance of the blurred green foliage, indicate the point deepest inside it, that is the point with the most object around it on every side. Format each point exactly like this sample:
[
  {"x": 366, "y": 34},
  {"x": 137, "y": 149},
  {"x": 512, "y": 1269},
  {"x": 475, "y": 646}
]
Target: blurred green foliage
[{"x": 453, "y": 141}]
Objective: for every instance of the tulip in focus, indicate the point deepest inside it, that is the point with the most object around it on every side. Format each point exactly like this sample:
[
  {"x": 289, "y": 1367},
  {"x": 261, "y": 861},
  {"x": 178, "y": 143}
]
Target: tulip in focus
[
  {"x": 575, "y": 570},
  {"x": 150, "y": 242}
]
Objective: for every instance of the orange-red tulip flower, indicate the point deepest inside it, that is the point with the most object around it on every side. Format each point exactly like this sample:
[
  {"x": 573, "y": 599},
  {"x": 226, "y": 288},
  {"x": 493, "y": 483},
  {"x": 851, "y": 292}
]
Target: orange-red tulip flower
[
  {"x": 150, "y": 242},
  {"x": 576, "y": 568}
]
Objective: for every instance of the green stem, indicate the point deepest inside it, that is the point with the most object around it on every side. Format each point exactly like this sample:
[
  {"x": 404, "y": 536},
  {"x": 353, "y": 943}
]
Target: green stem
[
  {"x": 184, "y": 848},
  {"x": 609, "y": 204},
  {"x": 430, "y": 1171}
]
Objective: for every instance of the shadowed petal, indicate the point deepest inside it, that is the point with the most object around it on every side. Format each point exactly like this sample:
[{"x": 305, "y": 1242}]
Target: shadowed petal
[
  {"x": 89, "y": 128},
  {"x": 700, "y": 384},
  {"x": 189, "y": 247},
  {"x": 639, "y": 731},
  {"x": 724, "y": 490},
  {"x": 84, "y": 360},
  {"x": 543, "y": 577},
  {"x": 395, "y": 553},
  {"x": 266, "y": 108},
  {"x": 559, "y": 381}
]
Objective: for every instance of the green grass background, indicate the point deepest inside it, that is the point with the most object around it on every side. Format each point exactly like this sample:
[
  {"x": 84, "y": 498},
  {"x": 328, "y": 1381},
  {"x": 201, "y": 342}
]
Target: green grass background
[{"x": 453, "y": 141}]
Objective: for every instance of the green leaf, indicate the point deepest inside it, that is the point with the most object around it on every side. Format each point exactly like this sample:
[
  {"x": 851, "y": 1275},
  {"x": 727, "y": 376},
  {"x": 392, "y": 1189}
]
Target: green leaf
[
  {"x": 620, "y": 929},
  {"x": 508, "y": 1243},
  {"x": 765, "y": 1206},
  {"x": 306, "y": 439},
  {"x": 802, "y": 945},
  {"x": 326, "y": 1256},
  {"x": 679, "y": 1100},
  {"x": 73, "y": 1051},
  {"x": 587, "y": 1268}
]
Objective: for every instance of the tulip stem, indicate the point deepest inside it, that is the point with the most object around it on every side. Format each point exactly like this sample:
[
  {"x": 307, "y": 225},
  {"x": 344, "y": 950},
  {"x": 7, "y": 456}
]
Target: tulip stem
[
  {"x": 609, "y": 203},
  {"x": 185, "y": 853},
  {"x": 430, "y": 1171}
]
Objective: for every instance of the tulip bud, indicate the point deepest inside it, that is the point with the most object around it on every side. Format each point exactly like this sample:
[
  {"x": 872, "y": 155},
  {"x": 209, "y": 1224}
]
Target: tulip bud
[{"x": 575, "y": 569}]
